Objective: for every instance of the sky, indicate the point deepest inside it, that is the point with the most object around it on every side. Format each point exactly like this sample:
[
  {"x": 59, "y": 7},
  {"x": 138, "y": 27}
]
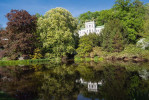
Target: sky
[{"x": 76, "y": 7}]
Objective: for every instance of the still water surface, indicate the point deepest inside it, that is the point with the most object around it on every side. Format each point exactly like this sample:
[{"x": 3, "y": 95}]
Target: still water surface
[{"x": 75, "y": 81}]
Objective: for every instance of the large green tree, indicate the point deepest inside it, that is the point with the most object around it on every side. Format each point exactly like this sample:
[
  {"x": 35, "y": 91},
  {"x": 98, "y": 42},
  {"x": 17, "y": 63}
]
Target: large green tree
[
  {"x": 132, "y": 15},
  {"x": 104, "y": 16},
  {"x": 100, "y": 17},
  {"x": 57, "y": 30},
  {"x": 88, "y": 16},
  {"x": 85, "y": 46},
  {"x": 113, "y": 36}
]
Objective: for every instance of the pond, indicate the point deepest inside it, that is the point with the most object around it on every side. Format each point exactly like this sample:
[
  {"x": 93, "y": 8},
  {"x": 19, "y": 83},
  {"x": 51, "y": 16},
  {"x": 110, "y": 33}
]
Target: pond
[{"x": 75, "y": 81}]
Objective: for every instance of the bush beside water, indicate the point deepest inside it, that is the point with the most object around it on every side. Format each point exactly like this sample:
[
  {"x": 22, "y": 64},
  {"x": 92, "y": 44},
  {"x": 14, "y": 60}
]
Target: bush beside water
[{"x": 130, "y": 51}]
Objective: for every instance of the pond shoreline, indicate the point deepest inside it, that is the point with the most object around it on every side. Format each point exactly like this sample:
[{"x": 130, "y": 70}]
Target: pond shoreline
[
  {"x": 23, "y": 62},
  {"x": 76, "y": 59},
  {"x": 113, "y": 58},
  {"x": 126, "y": 59}
]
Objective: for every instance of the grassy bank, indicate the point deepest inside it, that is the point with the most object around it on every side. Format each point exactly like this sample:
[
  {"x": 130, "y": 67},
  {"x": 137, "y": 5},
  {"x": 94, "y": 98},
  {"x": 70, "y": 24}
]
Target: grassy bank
[
  {"x": 28, "y": 62},
  {"x": 22, "y": 62}
]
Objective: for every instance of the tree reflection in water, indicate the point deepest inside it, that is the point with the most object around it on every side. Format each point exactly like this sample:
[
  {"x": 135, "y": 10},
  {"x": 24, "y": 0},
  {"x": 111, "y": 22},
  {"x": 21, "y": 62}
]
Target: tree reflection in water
[{"x": 70, "y": 82}]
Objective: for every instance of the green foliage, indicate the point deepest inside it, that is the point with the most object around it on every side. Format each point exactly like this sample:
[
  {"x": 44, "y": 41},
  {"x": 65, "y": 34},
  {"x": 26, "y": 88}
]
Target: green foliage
[
  {"x": 87, "y": 42},
  {"x": 100, "y": 17},
  {"x": 132, "y": 50},
  {"x": 47, "y": 56},
  {"x": 87, "y": 59},
  {"x": 23, "y": 62},
  {"x": 113, "y": 36},
  {"x": 85, "y": 45},
  {"x": 104, "y": 17},
  {"x": 37, "y": 54},
  {"x": 97, "y": 59},
  {"x": 146, "y": 21},
  {"x": 57, "y": 29},
  {"x": 98, "y": 51},
  {"x": 88, "y": 16},
  {"x": 134, "y": 83},
  {"x": 5, "y": 58},
  {"x": 95, "y": 39},
  {"x": 122, "y": 5},
  {"x": 131, "y": 14},
  {"x": 38, "y": 15}
]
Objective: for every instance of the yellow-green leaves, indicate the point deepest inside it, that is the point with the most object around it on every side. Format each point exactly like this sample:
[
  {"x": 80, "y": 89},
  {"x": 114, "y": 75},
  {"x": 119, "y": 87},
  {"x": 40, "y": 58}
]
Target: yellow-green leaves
[{"x": 57, "y": 29}]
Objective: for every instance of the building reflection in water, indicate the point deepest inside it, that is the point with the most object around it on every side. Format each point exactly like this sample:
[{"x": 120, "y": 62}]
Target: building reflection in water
[{"x": 92, "y": 86}]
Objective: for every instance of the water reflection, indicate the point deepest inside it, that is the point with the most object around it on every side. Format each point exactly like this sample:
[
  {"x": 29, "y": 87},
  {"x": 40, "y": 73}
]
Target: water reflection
[
  {"x": 92, "y": 86},
  {"x": 82, "y": 81}
]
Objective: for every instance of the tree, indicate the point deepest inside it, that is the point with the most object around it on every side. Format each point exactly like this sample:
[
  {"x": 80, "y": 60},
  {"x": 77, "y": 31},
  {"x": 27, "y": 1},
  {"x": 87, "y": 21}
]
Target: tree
[
  {"x": 100, "y": 17},
  {"x": 38, "y": 15},
  {"x": 88, "y": 16},
  {"x": 113, "y": 36},
  {"x": 85, "y": 45},
  {"x": 146, "y": 21},
  {"x": 104, "y": 16},
  {"x": 95, "y": 39},
  {"x": 87, "y": 42},
  {"x": 131, "y": 14},
  {"x": 57, "y": 29},
  {"x": 20, "y": 32},
  {"x": 122, "y": 5}
]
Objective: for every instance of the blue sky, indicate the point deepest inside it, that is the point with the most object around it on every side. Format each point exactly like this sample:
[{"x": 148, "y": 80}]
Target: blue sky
[{"x": 76, "y": 7}]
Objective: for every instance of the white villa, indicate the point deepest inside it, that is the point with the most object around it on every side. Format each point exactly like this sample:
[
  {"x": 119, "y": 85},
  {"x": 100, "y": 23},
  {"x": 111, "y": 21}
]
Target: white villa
[{"x": 90, "y": 27}]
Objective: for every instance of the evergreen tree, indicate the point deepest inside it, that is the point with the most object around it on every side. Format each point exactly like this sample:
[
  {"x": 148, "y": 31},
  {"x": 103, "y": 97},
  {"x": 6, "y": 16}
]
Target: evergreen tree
[{"x": 113, "y": 36}]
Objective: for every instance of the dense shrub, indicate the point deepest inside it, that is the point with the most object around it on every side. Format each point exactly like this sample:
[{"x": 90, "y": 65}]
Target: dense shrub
[
  {"x": 37, "y": 54},
  {"x": 85, "y": 46},
  {"x": 87, "y": 42},
  {"x": 95, "y": 39}
]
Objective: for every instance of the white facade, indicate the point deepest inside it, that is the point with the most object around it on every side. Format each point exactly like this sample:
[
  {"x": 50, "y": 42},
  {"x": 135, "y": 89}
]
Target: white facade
[{"x": 90, "y": 27}]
